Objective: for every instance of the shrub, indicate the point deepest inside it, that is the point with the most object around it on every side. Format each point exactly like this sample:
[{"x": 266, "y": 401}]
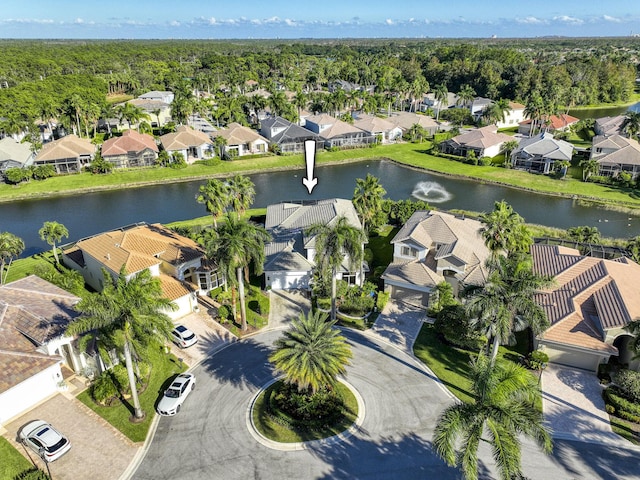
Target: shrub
[
  {"x": 611, "y": 410},
  {"x": 103, "y": 388},
  {"x": 223, "y": 313},
  {"x": 537, "y": 360},
  {"x": 484, "y": 161},
  {"x": 32, "y": 474},
  {"x": 308, "y": 410},
  {"x": 454, "y": 325},
  {"x": 381, "y": 300},
  {"x": 613, "y": 397},
  {"x": 120, "y": 378},
  {"x": 629, "y": 382}
]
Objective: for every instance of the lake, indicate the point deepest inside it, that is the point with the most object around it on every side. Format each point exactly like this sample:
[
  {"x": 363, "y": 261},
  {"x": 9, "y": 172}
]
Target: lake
[{"x": 603, "y": 112}]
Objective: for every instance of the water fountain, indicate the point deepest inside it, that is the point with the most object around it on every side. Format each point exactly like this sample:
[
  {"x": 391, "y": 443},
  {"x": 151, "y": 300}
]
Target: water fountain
[{"x": 431, "y": 192}]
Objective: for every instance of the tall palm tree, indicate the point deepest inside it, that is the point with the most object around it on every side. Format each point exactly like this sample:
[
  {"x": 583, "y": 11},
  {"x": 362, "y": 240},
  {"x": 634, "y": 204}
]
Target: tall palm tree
[
  {"x": 465, "y": 95},
  {"x": 129, "y": 313},
  {"x": 496, "y": 112},
  {"x": 311, "y": 353},
  {"x": 505, "y": 304},
  {"x": 52, "y": 233},
  {"x": 242, "y": 192},
  {"x": 220, "y": 143},
  {"x": 590, "y": 166},
  {"x": 502, "y": 412},
  {"x": 504, "y": 230},
  {"x": 367, "y": 199},
  {"x": 631, "y": 124},
  {"x": 441, "y": 94},
  {"x": 534, "y": 110},
  {"x": 508, "y": 148},
  {"x": 215, "y": 196},
  {"x": 234, "y": 245},
  {"x": 11, "y": 246},
  {"x": 334, "y": 242}
]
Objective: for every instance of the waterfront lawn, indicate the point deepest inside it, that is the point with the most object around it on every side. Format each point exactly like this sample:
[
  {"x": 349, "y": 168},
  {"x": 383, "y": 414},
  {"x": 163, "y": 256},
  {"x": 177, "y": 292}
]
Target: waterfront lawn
[
  {"x": 23, "y": 267},
  {"x": 164, "y": 367},
  {"x": 13, "y": 462},
  {"x": 381, "y": 248},
  {"x": 451, "y": 364}
]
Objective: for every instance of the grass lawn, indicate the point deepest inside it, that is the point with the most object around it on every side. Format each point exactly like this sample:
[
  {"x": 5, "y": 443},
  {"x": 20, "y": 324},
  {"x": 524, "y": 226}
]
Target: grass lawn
[
  {"x": 164, "y": 367},
  {"x": 279, "y": 432},
  {"x": 24, "y": 267},
  {"x": 451, "y": 364},
  {"x": 627, "y": 430},
  {"x": 12, "y": 462}
]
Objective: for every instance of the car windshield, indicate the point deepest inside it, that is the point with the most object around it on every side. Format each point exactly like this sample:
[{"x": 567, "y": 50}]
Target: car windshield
[
  {"x": 189, "y": 337},
  {"x": 57, "y": 446},
  {"x": 172, "y": 393}
]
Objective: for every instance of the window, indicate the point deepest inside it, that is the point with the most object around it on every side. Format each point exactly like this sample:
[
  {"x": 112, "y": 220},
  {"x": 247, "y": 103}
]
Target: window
[
  {"x": 408, "y": 251},
  {"x": 349, "y": 278}
]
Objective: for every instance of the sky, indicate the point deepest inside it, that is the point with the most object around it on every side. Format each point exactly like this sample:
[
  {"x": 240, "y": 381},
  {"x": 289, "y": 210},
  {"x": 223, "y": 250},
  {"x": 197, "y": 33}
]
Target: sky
[{"x": 286, "y": 19}]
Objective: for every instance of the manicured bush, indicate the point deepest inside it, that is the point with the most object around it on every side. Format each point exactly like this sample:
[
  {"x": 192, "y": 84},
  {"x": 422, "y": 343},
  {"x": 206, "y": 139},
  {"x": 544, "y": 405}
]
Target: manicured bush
[
  {"x": 454, "y": 325},
  {"x": 629, "y": 382},
  {"x": 623, "y": 407},
  {"x": 381, "y": 300},
  {"x": 103, "y": 388},
  {"x": 306, "y": 409},
  {"x": 223, "y": 313},
  {"x": 32, "y": 474},
  {"x": 537, "y": 360}
]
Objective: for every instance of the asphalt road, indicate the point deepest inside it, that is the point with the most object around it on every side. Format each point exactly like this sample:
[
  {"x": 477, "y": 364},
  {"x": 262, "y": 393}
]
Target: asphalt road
[{"x": 210, "y": 438}]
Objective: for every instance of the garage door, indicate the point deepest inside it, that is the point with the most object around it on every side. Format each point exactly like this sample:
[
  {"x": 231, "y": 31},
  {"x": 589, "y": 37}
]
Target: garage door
[
  {"x": 411, "y": 297},
  {"x": 570, "y": 358}
]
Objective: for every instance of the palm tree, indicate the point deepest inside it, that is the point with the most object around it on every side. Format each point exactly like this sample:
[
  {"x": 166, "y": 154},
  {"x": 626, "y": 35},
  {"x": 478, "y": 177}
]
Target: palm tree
[
  {"x": 332, "y": 243},
  {"x": 367, "y": 199},
  {"x": 631, "y": 123},
  {"x": 496, "y": 112},
  {"x": 503, "y": 411},
  {"x": 505, "y": 230},
  {"x": 633, "y": 328},
  {"x": 52, "y": 233},
  {"x": 562, "y": 166},
  {"x": 633, "y": 247},
  {"x": 465, "y": 96},
  {"x": 234, "y": 245},
  {"x": 11, "y": 246},
  {"x": 590, "y": 166},
  {"x": 129, "y": 314},
  {"x": 220, "y": 143},
  {"x": 312, "y": 353},
  {"x": 508, "y": 148},
  {"x": 534, "y": 109},
  {"x": 441, "y": 94},
  {"x": 505, "y": 304},
  {"x": 584, "y": 234},
  {"x": 215, "y": 196},
  {"x": 241, "y": 192}
]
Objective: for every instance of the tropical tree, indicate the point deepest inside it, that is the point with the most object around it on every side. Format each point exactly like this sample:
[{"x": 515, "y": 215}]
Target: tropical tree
[
  {"x": 129, "y": 315},
  {"x": 465, "y": 96},
  {"x": 503, "y": 410},
  {"x": 562, "y": 166},
  {"x": 584, "y": 234},
  {"x": 220, "y": 143},
  {"x": 235, "y": 244},
  {"x": 633, "y": 247},
  {"x": 590, "y": 166},
  {"x": 52, "y": 233},
  {"x": 311, "y": 353},
  {"x": 508, "y": 147},
  {"x": 505, "y": 304},
  {"x": 441, "y": 94},
  {"x": 631, "y": 124},
  {"x": 11, "y": 246},
  {"x": 504, "y": 230},
  {"x": 215, "y": 196},
  {"x": 242, "y": 192},
  {"x": 633, "y": 328},
  {"x": 417, "y": 132},
  {"x": 334, "y": 242},
  {"x": 496, "y": 112},
  {"x": 367, "y": 200},
  {"x": 534, "y": 110}
]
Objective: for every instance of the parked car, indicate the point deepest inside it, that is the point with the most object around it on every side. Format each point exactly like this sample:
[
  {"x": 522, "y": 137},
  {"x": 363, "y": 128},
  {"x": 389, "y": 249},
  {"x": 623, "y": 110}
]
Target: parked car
[
  {"x": 44, "y": 440},
  {"x": 176, "y": 394},
  {"x": 183, "y": 337}
]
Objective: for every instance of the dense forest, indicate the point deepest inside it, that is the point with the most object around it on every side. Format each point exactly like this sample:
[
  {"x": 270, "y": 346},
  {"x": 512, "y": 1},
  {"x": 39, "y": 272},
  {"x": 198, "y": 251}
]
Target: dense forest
[{"x": 72, "y": 79}]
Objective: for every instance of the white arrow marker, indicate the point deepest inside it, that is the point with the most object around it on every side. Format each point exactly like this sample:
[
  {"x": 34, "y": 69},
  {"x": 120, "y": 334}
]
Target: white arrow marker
[{"x": 310, "y": 159}]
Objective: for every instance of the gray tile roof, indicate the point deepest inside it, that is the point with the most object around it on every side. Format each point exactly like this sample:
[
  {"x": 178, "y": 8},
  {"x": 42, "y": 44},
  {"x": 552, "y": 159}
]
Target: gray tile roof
[
  {"x": 278, "y": 130},
  {"x": 545, "y": 146},
  {"x": 626, "y": 151}
]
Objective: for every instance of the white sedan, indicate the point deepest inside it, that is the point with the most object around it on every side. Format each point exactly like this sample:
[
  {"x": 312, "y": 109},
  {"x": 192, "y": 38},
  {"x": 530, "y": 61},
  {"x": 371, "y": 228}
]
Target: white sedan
[
  {"x": 183, "y": 337},
  {"x": 176, "y": 394},
  {"x": 45, "y": 440}
]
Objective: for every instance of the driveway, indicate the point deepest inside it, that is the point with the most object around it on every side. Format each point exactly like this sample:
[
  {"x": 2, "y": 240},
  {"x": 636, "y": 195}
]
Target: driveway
[
  {"x": 573, "y": 406},
  {"x": 284, "y": 306},
  {"x": 98, "y": 451},
  {"x": 211, "y": 337},
  {"x": 399, "y": 323}
]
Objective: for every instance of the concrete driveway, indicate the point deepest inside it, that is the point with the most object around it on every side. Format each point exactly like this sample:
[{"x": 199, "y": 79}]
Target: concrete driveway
[
  {"x": 399, "y": 323},
  {"x": 98, "y": 451},
  {"x": 211, "y": 337},
  {"x": 573, "y": 406}
]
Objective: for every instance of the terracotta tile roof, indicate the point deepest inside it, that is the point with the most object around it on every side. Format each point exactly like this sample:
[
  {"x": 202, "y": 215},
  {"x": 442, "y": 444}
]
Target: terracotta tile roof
[
  {"x": 555, "y": 122},
  {"x": 70, "y": 146},
  {"x": 589, "y": 295},
  {"x": 172, "y": 288},
  {"x": 183, "y": 138},
  {"x": 139, "y": 248},
  {"x": 130, "y": 142},
  {"x": 32, "y": 312}
]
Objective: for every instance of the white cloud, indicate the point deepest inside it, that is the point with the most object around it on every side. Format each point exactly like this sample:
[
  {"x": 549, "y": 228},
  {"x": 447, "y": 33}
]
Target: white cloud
[
  {"x": 609, "y": 18},
  {"x": 388, "y": 21},
  {"x": 530, "y": 20},
  {"x": 22, "y": 21},
  {"x": 569, "y": 20}
]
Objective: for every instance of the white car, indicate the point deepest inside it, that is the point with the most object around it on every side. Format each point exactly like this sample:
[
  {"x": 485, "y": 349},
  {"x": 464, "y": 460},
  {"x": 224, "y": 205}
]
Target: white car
[
  {"x": 45, "y": 440},
  {"x": 183, "y": 337},
  {"x": 176, "y": 394}
]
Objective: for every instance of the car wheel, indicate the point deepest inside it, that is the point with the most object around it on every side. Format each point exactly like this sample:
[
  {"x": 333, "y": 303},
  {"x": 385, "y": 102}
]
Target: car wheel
[
  {"x": 178, "y": 408},
  {"x": 193, "y": 386}
]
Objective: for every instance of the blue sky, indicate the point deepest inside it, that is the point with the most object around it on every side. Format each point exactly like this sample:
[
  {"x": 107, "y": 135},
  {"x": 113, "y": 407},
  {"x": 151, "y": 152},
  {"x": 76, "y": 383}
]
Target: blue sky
[{"x": 322, "y": 19}]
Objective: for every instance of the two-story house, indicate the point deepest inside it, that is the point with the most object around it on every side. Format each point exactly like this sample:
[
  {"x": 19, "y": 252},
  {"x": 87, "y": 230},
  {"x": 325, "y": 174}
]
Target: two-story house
[
  {"x": 288, "y": 136},
  {"x": 539, "y": 154},
  {"x": 616, "y": 154}
]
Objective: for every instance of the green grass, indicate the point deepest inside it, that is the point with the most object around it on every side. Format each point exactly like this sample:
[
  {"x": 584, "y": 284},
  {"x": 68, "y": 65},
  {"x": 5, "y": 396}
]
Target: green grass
[
  {"x": 627, "y": 430},
  {"x": 12, "y": 462},
  {"x": 451, "y": 364},
  {"x": 411, "y": 154},
  {"x": 164, "y": 367},
  {"x": 278, "y": 432},
  {"x": 24, "y": 267}
]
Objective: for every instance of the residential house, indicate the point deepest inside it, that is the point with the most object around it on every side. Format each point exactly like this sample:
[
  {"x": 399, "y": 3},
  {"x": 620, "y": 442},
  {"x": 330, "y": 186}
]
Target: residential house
[
  {"x": 67, "y": 155},
  {"x": 406, "y": 120},
  {"x": 14, "y": 154},
  {"x": 512, "y": 117},
  {"x": 484, "y": 142},
  {"x": 164, "y": 96},
  {"x": 337, "y": 133},
  {"x": 34, "y": 349},
  {"x": 538, "y": 154},
  {"x": 430, "y": 102},
  {"x": 193, "y": 145},
  {"x": 616, "y": 154},
  {"x": 200, "y": 124},
  {"x": 242, "y": 140},
  {"x": 158, "y": 111},
  {"x": 336, "y": 85},
  {"x": 131, "y": 149},
  {"x": 608, "y": 126},
  {"x": 433, "y": 247},
  {"x": 553, "y": 123},
  {"x": 588, "y": 305},
  {"x": 288, "y": 136},
  {"x": 177, "y": 261},
  {"x": 383, "y": 130},
  {"x": 290, "y": 256},
  {"x": 478, "y": 106}
]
